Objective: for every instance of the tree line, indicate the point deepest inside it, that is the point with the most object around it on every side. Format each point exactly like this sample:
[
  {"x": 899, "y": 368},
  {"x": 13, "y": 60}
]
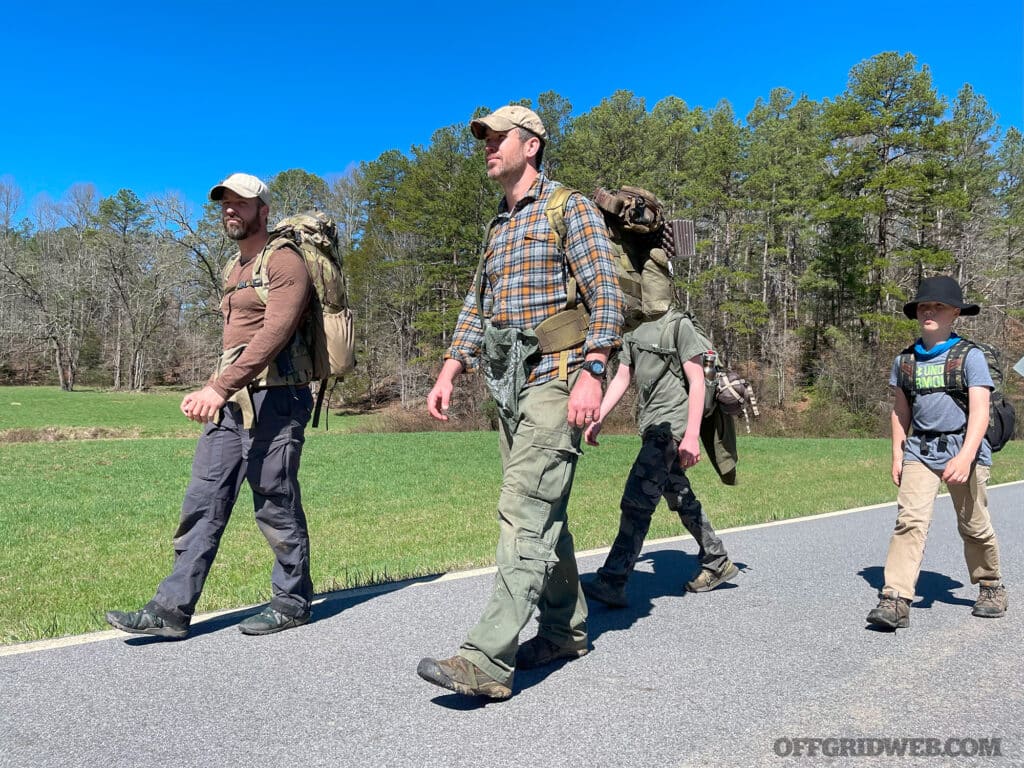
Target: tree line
[{"x": 815, "y": 221}]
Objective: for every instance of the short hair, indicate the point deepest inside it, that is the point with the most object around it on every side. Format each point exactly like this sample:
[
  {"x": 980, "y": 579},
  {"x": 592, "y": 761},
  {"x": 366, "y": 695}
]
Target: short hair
[{"x": 526, "y": 134}]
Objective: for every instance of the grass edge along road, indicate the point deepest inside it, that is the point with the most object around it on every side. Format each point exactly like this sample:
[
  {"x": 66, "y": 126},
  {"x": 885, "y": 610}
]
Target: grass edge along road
[{"x": 86, "y": 525}]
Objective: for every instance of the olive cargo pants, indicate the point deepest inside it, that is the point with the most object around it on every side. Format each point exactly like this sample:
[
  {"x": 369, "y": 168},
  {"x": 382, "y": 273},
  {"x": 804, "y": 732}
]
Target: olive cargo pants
[{"x": 535, "y": 558}]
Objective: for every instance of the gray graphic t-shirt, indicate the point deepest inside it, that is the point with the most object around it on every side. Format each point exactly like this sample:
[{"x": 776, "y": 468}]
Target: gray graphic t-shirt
[{"x": 937, "y": 412}]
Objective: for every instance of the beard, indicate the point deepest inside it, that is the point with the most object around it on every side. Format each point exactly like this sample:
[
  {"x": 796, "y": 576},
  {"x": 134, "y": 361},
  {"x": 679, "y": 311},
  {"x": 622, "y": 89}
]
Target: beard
[{"x": 242, "y": 228}]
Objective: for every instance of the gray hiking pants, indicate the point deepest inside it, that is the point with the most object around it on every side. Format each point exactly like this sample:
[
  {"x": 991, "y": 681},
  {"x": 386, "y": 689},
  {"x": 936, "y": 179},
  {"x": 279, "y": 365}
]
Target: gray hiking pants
[
  {"x": 268, "y": 457},
  {"x": 657, "y": 473}
]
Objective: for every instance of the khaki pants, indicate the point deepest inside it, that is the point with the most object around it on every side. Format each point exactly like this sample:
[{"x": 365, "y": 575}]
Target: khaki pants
[
  {"x": 916, "y": 504},
  {"x": 535, "y": 558}
]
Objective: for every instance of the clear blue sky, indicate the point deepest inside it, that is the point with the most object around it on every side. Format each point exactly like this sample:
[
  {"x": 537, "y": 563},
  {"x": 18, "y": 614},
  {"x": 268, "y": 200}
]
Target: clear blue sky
[{"x": 169, "y": 95}]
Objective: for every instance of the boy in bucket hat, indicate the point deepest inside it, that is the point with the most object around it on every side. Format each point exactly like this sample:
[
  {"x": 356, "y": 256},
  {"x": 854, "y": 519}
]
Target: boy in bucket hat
[{"x": 945, "y": 445}]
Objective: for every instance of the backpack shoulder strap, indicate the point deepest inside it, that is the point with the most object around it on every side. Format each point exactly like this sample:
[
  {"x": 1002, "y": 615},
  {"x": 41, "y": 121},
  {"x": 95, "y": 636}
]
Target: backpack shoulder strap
[
  {"x": 666, "y": 349},
  {"x": 259, "y": 280},
  {"x": 555, "y": 212},
  {"x": 955, "y": 377},
  {"x": 226, "y": 273},
  {"x": 905, "y": 377}
]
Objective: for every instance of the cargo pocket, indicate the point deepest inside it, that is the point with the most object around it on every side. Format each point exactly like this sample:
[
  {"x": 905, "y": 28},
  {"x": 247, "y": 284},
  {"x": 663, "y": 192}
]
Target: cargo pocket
[
  {"x": 556, "y": 452},
  {"x": 532, "y": 547}
]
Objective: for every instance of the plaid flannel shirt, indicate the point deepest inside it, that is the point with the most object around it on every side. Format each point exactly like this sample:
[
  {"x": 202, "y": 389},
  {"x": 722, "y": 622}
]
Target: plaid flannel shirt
[{"x": 525, "y": 278}]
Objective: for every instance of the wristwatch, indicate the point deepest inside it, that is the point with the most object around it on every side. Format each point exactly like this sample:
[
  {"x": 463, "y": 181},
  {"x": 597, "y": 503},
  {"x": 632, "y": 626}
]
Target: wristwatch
[{"x": 595, "y": 368}]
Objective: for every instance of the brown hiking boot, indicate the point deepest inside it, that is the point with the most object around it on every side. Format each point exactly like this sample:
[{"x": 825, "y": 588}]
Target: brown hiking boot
[
  {"x": 707, "y": 579},
  {"x": 611, "y": 595},
  {"x": 538, "y": 651},
  {"x": 462, "y": 676},
  {"x": 992, "y": 601},
  {"x": 892, "y": 612}
]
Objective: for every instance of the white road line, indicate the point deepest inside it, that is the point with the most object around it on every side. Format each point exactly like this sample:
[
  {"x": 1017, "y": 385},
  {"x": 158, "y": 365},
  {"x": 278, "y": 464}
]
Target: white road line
[{"x": 378, "y": 589}]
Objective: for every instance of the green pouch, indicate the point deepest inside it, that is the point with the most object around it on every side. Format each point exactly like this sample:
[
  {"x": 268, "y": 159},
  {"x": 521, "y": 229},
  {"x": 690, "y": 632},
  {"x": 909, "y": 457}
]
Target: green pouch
[{"x": 506, "y": 357}]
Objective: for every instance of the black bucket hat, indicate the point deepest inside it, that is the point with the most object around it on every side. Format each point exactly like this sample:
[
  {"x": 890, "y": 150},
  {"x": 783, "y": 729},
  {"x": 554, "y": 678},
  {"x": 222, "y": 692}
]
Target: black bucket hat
[{"x": 941, "y": 288}]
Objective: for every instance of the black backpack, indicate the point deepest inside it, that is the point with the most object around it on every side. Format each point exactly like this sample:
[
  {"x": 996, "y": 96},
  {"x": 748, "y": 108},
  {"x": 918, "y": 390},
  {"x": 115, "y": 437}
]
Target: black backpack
[{"x": 1002, "y": 418}]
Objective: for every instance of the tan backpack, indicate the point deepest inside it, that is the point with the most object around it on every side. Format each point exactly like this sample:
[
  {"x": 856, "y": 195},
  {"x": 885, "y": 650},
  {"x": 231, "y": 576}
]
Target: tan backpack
[
  {"x": 637, "y": 227},
  {"x": 324, "y": 347}
]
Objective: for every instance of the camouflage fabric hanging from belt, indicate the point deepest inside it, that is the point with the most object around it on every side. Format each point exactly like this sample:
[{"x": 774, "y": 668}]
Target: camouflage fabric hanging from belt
[
  {"x": 505, "y": 360},
  {"x": 243, "y": 397}
]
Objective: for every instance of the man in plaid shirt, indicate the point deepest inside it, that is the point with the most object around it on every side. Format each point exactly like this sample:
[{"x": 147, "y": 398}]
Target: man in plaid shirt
[{"x": 527, "y": 276}]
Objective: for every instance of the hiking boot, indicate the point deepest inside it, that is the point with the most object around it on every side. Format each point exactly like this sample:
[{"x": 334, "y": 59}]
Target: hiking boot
[
  {"x": 707, "y": 579},
  {"x": 268, "y": 621},
  {"x": 146, "y": 622},
  {"x": 612, "y": 595},
  {"x": 992, "y": 601},
  {"x": 892, "y": 612},
  {"x": 462, "y": 676},
  {"x": 538, "y": 651}
]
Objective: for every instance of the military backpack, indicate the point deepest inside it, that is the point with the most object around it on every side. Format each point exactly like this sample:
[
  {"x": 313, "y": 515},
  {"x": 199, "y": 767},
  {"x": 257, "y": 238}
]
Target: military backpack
[
  {"x": 1002, "y": 418},
  {"x": 324, "y": 345}
]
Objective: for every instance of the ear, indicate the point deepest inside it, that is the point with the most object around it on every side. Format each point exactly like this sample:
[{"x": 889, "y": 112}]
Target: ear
[{"x": 531, "y": 147}]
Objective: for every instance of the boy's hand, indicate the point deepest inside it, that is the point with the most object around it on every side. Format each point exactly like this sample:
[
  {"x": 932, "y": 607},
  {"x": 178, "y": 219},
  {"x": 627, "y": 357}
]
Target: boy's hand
[
  {"x": 897, "y": 470},
  {"x": 957, "y": 470},
  {"x": 592, "y": 432},
  {"x": 689, "y": 451}
]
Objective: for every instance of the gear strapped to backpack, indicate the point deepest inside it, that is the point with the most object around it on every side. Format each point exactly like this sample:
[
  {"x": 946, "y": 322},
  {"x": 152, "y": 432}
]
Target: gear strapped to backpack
[
  {"x": 1002, "y": 417},
  {"x": 324, "y": 345},
  {"x": 644, "y": 267}
]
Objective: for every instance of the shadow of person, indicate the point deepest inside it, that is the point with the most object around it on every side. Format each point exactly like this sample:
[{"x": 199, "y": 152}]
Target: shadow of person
[
  {"x": 325, "y": 606},
  {"x": 931, "y": 587},
  {"x": 661, "y": 573}
]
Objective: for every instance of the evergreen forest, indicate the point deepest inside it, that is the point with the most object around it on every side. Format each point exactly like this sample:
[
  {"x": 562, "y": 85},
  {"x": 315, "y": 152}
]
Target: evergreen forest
[{"x": 815, "y": 220}]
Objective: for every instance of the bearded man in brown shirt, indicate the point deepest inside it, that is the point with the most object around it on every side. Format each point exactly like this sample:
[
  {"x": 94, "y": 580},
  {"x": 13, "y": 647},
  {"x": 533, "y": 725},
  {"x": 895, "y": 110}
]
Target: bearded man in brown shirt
[{"x": 254, "y": 411}]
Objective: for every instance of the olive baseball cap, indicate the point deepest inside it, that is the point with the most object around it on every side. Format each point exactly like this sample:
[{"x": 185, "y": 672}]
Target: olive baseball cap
[
  {"x": 507, "y": 118},
  {"x": 243, "y": 185}
]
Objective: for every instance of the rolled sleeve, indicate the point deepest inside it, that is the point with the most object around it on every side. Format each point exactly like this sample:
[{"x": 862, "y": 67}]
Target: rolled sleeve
[{"x": 592, "y": 261}]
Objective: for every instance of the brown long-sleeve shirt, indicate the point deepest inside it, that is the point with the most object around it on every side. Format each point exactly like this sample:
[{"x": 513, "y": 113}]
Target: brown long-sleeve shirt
[{"x": 265, "y": 329}]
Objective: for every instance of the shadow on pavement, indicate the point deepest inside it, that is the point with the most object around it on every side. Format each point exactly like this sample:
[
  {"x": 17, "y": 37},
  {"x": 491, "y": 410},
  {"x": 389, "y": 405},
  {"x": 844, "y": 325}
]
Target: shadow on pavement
[
  {"x": 326, "y": 606},
  {"x": 670, "y": 569},
  {"x": 931, "y": 587}
]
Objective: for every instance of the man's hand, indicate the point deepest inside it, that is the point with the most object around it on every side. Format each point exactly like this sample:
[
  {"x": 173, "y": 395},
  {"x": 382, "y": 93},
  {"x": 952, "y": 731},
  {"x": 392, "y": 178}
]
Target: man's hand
[
  {"x": 202, "y": 406},
  {"x": 440, "y": 396},
  {"x": 584, "y": 401}
]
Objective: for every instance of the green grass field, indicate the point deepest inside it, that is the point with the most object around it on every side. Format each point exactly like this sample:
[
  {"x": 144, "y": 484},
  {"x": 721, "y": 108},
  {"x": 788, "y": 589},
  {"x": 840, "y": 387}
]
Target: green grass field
[{"x": 86, "y": 525}]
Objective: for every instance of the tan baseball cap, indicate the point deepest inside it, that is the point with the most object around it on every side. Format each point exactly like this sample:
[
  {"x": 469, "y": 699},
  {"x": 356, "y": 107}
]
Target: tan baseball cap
[
  {"x": 243, "y": 185},
  {"x": 507, "y": 118}
]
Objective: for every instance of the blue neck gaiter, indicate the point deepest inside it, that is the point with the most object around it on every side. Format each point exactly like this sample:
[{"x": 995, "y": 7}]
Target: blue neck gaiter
[{"x": 927, "y": 354}]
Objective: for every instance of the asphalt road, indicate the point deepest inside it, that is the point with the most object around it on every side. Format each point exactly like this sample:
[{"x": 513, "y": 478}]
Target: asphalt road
[{"x": 736, "y": 677}]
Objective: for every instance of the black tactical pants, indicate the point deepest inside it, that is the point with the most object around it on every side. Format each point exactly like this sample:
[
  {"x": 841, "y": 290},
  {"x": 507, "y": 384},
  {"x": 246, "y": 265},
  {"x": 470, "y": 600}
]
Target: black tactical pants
[{"x": 657, "y": 473}]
